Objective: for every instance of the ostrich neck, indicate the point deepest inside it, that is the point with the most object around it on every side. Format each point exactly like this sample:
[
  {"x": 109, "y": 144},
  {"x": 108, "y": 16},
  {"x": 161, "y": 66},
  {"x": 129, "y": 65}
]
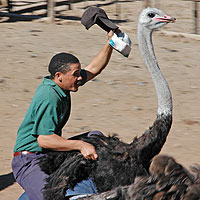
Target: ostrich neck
[{"x": 161, "y": 86}]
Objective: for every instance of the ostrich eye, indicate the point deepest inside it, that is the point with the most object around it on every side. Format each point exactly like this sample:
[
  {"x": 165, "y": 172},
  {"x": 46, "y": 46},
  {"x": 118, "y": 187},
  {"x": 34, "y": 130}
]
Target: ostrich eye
[{"x": 151, "y": 15}]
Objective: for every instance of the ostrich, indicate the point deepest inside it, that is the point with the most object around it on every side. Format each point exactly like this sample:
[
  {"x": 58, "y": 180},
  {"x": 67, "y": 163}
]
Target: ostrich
[
  {"x": 168, "y": 180},
  {"x": 118, "y": 163}
]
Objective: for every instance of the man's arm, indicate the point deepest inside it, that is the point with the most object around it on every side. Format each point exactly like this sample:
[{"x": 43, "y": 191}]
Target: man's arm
[
  {"x": 100, "y": 60},
  {"x": 58, "y": 143}
]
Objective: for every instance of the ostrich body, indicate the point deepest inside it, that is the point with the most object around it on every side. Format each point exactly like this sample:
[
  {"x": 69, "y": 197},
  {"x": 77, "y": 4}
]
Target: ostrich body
[
  {"x": 168, "y": 180},
  {"x": 118, "y": 163}
]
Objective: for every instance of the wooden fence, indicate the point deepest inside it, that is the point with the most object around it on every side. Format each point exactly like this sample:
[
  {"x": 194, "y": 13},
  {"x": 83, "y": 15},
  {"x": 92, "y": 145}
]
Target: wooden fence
[
  {"x": 16, "y": 9},
  {"x": 49, "y": 7}
]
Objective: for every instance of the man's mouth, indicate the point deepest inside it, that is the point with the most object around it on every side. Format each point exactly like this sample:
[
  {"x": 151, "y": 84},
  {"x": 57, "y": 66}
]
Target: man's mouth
[{"x": 77, "y": 83}]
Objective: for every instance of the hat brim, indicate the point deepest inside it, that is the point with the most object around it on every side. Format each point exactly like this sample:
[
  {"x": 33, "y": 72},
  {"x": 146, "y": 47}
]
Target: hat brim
[{"x": 106, "y": 24}]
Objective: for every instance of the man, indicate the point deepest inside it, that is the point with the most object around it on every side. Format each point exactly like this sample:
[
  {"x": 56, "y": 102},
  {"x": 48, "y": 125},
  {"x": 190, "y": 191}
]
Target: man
[{"x": 48, "y": 112}]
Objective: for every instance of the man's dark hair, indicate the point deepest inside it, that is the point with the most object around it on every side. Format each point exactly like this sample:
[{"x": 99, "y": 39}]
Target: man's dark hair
[{"x": 61, "y": 63}]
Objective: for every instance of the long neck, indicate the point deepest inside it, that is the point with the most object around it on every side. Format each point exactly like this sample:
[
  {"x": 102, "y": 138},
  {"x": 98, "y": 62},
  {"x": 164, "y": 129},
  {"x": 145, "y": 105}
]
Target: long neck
[{"x": 161, "y": 86}]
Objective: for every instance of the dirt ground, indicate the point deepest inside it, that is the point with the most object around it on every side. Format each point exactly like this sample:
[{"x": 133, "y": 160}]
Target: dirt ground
[{"x": 121, "y": 100}]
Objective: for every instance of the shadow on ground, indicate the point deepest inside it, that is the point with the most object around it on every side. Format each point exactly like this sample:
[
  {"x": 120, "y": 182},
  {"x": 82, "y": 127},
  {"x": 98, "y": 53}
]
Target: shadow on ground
[{"x": 6, "y": 180}]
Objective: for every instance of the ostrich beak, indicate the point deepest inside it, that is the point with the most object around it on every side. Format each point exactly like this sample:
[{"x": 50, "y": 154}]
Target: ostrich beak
[{"x": 166, "y": 19}]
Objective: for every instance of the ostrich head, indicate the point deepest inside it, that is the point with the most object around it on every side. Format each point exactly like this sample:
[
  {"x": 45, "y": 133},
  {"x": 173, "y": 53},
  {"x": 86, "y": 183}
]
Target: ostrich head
[{"x": 153, "y": 18}]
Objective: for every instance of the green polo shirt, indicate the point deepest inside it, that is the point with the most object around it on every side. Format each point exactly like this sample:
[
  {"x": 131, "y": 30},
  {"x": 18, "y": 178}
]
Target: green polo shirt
[{"x": 48, "y": 112}]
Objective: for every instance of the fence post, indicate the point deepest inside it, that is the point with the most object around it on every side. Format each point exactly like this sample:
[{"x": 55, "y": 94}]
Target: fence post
[
  {"x": 118, "y": 11},
  {"x": 146, "y": 3},
  {"x": 157, "y": 4},
  {"x": 50, "y": 10},
  {"x": 196, "y": 16},
  {"x": 9, "y": 6}
]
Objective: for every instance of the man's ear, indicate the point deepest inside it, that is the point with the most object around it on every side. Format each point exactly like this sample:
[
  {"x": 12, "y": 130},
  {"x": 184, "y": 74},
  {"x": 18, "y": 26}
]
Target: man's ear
[{"x": 58, "y": 76}]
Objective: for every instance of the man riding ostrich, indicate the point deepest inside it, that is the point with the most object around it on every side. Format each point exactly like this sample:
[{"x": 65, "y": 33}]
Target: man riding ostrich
[{"x": 118, "y": 163}]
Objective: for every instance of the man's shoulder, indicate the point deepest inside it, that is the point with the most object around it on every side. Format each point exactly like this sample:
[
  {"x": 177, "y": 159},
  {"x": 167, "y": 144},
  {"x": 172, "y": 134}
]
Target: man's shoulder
[
  {"x": 46, "y": 93},
  {"x": 43, "y": 89}
]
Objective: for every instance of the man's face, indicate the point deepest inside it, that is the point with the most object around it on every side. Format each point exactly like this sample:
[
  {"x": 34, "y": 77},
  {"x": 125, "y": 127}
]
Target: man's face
[{"x": 71, "y": 80}]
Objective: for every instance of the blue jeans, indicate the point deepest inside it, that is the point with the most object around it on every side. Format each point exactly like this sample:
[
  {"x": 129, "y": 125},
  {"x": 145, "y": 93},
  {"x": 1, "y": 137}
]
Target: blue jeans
[{"x": 86, "y": 187}]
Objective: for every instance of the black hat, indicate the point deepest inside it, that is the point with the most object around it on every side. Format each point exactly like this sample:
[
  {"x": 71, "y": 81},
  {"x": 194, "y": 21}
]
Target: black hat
[{"x": 94, "y": 15}]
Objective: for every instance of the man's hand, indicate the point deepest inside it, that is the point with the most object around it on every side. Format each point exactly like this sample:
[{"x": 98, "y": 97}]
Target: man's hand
[
  {"x": 88, "y": 150},
  {"x": 110, "y": 34}
]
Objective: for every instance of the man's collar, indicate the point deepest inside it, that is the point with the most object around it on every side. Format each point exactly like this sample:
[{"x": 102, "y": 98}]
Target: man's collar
[{"x": 48, "y": 81}]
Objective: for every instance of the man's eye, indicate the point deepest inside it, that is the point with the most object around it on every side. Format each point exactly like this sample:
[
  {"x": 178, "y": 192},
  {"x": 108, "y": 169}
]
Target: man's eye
[{"x": 76, "y": 74}]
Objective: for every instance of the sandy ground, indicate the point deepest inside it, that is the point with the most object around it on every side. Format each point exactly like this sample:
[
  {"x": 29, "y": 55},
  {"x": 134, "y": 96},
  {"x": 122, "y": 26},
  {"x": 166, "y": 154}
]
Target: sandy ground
[{"x": 121, "y": 100}]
